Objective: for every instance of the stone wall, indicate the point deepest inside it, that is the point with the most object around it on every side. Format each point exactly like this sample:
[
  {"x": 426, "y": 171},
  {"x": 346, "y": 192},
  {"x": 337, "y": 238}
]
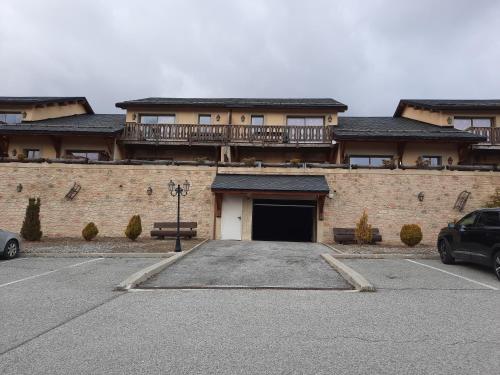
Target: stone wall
[{"x": 111, "y": 194}]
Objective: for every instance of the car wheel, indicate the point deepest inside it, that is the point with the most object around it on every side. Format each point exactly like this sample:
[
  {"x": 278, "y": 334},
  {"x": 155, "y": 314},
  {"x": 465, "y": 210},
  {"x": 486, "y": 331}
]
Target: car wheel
[
  {"x": 496, "y": 264},
  {"x": 11, "y": 250},
  {"x": 444, "y": 252}
]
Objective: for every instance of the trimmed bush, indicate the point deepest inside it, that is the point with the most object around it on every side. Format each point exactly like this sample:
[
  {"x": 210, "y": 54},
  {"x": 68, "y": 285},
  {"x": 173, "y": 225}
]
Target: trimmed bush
[
  {"x": 494, "y": 200},
  {"x": 90, "y": 232},
  {"x": 411, "y": 234},
  {"x": 134, "y": 228},
  {"x": 31, "y": 229},
  {"x": 363, "y": 231}
]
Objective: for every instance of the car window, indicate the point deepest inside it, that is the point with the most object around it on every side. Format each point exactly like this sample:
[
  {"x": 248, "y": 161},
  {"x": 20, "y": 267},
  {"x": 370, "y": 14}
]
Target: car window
[
  {"x": 489, "y": 219},
  {"x": 468, "y": 220}
]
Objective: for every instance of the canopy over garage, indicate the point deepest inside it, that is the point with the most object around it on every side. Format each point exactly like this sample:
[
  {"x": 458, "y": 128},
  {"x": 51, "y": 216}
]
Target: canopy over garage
[{"x": 281, "y": 207}]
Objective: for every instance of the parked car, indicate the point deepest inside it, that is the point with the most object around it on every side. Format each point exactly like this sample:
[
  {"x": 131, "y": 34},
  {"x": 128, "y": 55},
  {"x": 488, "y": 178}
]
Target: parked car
[
  {"x": 10, "y": 244},
  {"x": 474, "y": 238}
]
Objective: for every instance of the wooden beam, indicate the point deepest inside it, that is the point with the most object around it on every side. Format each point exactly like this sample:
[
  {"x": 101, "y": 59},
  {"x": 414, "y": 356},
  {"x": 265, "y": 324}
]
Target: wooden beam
[
  {"x": 321, "y": 205},
  {"x": 401, "y": 150},
  {"x": 4, "y": 146},
  {"x": 218, "y": 205},
  {"x": 56, "y": 143}
]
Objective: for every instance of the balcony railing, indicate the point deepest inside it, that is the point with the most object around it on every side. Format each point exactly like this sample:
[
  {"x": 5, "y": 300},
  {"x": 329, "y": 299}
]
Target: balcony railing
[
  {"x": 226, "y": 134},
  {"x": 492, "y": 134}
]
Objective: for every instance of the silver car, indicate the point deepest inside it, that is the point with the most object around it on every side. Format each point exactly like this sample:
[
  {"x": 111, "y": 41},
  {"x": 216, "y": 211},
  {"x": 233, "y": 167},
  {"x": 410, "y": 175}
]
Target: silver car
[{"x": 10, "y": 244}]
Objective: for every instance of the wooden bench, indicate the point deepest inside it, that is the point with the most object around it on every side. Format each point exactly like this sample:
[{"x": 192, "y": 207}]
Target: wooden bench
[
  {"x": 169, "y": 229},
  {"x": 346, "y": 235}
]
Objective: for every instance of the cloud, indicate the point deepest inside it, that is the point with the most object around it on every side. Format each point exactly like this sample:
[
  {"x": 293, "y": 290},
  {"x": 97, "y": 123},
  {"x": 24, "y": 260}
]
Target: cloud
[{"x": 367, "y": 54}]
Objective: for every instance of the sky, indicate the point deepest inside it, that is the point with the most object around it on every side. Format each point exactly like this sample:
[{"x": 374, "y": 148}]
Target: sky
[{"x": 367, "y": 54}]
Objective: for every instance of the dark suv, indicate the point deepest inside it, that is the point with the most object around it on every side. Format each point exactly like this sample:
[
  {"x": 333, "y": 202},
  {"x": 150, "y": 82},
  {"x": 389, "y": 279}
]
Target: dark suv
[{"x": 474, "y": 238}]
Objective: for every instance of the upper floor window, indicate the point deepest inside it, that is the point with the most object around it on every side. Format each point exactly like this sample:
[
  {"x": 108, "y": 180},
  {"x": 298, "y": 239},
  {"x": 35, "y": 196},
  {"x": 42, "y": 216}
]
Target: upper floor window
[
  {"x": 257, "y": 120},
  {"x": 464, "y": 123},
  {"x": 32, "y": 153},
  {"x": 305, "y": 121},
  {"x": 432, "y": 161},
  {"x": 369, "y": 160},
  {"x": 90, "y": 155},
  {"x": 10, "y": 118},
  {"x": 157, "y": 119},
  {"x": 204, "y": 119}
]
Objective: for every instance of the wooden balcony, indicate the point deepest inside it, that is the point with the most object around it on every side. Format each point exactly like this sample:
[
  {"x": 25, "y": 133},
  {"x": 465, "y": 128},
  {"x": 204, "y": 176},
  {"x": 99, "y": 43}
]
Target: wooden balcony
[
  {"x": 492, "y": 135},
  {"x": 196, "y": 134}
]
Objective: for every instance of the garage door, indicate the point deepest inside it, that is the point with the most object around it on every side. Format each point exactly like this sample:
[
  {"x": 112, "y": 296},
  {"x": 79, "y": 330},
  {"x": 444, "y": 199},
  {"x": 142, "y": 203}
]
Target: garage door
[{"x": 283, "y": 220}]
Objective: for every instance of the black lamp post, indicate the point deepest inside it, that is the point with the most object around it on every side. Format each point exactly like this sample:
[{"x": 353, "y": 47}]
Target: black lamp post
[{"x": 178, "y": 191}]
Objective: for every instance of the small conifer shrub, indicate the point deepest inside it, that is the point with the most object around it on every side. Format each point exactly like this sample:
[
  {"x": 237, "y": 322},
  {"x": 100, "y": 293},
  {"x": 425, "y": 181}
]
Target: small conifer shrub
[
  {"x": 31, "y": 229},
  {"x": 363, "y": 231},
  {"x": 134, "y": 228},
  {"x": 90, "y": 232}
]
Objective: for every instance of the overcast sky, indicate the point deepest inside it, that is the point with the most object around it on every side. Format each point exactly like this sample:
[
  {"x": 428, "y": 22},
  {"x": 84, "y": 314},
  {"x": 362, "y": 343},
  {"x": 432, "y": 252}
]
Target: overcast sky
[{"x": 366, "y": 54}]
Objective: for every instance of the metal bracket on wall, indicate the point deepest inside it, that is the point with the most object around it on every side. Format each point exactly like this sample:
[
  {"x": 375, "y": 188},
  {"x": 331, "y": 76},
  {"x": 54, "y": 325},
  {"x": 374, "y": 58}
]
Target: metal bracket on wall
[
  {"x": 73, "y": 191},
  {"x": 461, "y": 200}
]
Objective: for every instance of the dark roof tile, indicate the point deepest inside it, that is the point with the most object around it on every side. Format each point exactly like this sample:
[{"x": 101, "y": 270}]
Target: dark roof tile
[
  {"x": 449, "y": 104},
  {"x": 279, "y": 183}
]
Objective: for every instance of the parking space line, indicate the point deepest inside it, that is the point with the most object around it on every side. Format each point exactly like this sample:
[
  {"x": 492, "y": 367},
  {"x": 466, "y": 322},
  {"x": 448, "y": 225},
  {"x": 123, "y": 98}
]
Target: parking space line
[
  {"x": 49, "y": 272},
  {"x": 453, "y": 274}
]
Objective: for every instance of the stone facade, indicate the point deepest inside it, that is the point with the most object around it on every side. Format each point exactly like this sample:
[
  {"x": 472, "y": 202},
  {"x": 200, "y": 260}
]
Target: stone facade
[{"x": 110, "y": 195}]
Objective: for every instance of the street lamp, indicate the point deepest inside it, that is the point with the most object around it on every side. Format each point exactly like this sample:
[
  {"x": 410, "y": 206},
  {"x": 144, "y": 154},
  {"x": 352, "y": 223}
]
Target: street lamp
[{"x": 178, "y": 191}]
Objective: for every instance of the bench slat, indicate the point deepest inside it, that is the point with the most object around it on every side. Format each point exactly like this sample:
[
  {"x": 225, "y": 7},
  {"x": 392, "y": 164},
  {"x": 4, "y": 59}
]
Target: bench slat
[
  {"x": 347, "y": 235},
  {"x": 170, "y": 224}
]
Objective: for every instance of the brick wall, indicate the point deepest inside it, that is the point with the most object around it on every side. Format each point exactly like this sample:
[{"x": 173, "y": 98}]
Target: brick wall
[{"x": 111, "y": 194}]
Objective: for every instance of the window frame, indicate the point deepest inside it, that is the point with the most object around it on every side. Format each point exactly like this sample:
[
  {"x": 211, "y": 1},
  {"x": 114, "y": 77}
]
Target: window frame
[
  {"x": 385, "y": 157},
  {"x": 476, "y": 216},
  {"x": 471, "y": 121},
  {"x": 18, "y": 114},
  {"x": 100, "y": 154},
  {"x": 200, "y": 115},
  {"x": 438, "y": 157},
  {"x": 27, "y": 152},
  {"x": 257, "y": 116},
  {"x": 288, "y": 117},
  {"x": 141, "y": 115}
]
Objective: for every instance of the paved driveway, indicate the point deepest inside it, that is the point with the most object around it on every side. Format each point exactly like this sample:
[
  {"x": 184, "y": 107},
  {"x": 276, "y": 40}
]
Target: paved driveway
[{"x": 254, "y": 264}]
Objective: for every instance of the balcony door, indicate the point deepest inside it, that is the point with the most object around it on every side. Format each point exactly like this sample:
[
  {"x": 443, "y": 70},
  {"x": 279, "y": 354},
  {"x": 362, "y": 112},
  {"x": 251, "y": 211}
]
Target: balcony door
[{"x": 305, "y": 129}]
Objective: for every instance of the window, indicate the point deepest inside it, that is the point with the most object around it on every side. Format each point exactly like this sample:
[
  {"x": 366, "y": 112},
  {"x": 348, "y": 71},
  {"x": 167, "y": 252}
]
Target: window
[
  {"x": 204, "y": 119},
  {"x": 32, "y": 153},
  {"x": 489, "y": 219},
  {"x": 305, "y": 121},
  {"x": 10, "y": 118},
  {"x": 90, "y": 155},
  {"x": 468, "y": 220},
  {"x": 463, "y": 123},
  {"x": 369, "y": 160},
  {"x": 257, "y": 120},
  {"x": 157, "y": 119},
  {"x": 434, "y": 161}
]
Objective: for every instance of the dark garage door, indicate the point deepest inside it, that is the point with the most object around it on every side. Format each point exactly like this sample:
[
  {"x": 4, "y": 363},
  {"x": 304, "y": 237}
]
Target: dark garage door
[{"x": 283, "y": 220}]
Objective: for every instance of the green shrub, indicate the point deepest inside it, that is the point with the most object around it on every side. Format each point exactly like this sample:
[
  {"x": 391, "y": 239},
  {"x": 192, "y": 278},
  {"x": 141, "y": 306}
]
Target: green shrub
[
  {"x": 134, "y": 228},
  {"x": 411, "y": 234},
  {"x": 31, "y": 229},
  {"x": 90, "y": 232},
  {"x": 494, "y": 200},
  {"x": 363, "y": 231}
]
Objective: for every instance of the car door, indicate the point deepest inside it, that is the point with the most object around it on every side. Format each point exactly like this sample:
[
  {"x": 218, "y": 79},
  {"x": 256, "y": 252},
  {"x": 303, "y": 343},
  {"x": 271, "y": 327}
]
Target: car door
[
  {"x": 486, "y": 236},
  {"x": 463, "y": 237}
]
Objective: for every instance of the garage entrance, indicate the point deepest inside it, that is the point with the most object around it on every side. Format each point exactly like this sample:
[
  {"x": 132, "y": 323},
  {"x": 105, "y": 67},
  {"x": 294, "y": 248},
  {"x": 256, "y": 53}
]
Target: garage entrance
[{"x": 283, "y": 220}]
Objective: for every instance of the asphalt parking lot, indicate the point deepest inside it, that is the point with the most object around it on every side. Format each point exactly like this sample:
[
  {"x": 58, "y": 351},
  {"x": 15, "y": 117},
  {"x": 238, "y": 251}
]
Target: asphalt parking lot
[
  {"x": 251, "y": 264},
  {"x": 62, "y": 316}
]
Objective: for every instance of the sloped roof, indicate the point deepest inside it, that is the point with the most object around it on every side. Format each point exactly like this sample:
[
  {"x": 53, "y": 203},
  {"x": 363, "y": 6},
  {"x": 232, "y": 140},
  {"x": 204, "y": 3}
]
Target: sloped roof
[
  {"x": 43, "y": 100},
  {"x": 77, "y": 124},
  {"x": 277, "y": 183},
  {"x": 321, "y": 103},
  {"x": 397, "y": 128},
  {"x": 449, "y": 104}
]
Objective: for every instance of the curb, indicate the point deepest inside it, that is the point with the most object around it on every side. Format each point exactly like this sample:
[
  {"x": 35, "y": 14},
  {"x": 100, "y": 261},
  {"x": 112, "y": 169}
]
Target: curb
[
  {"x": 97, "y": 255},
  {"x": 351, "y": 276},
  {"x": 386, "y": 256},
  {"x": 148, "y": 272}
]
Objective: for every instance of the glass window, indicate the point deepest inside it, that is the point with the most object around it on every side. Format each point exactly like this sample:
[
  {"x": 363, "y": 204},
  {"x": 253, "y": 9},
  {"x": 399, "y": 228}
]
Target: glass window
[
  {"x": 301, "y": 121},
  {"x": 204, "y": 119},
  {"x": 468, "y": 220},
  {"x": 90, "y": 155},
  {"x": 434, "y": 161},
  {"x": 368, "y": 160},
  {"x": 489, "y": 219},
  {"x": 10, "y": 118},
  {"x": 32, "y": 153},
  {"x": 464, "y": 123},
  {"x": 157, "y": 119},
  {"x": 257, "y": 120},
  {"x": 481, "y": 122}
]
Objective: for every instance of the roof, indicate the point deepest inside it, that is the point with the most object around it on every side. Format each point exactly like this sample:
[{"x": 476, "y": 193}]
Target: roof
[
  {"x": 449, "y": 104},
  {"x": 277, "y": 183},
  {"x": 397, "y": 128},
  {"x": 44, "y": 100},
  {"x": 320, "y": 103},
  {"x": 81, "y": 124}
]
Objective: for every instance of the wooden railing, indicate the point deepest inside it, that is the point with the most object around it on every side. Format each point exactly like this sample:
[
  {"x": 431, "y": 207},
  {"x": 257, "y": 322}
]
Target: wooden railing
[
  {"x": 223, "y": 134},
  {"x": 492, "y": 134}
]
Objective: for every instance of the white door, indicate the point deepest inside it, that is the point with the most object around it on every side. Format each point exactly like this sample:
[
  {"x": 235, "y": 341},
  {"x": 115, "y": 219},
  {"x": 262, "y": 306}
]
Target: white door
[{"x": 232, "y": 208}]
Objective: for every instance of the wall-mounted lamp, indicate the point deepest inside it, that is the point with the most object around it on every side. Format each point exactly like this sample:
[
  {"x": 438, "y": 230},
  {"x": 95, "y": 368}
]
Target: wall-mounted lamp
[
  {"x": 330, "y": 118},
  {"x": 217, "y": 117},
  {"x": 332, "y": 194},
  {"x": 19, "y": 188},
  {"x": 450, "y": 160},
  {"x": 243, "y": 118},
  {"x": 421, "y": 196},
  {"x": 149, "y": 191},
  {"x": 449, "y": 120}
]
